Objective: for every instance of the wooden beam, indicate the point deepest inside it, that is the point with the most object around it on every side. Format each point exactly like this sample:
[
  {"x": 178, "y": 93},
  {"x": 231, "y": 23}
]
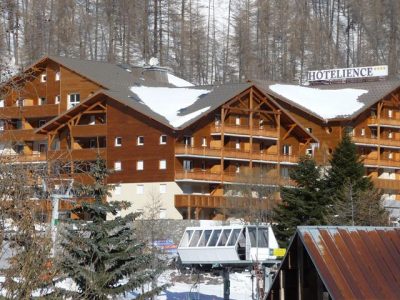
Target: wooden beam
[
  {"x": 293, "y": 126},
  {"x": 248, "y": 110}
]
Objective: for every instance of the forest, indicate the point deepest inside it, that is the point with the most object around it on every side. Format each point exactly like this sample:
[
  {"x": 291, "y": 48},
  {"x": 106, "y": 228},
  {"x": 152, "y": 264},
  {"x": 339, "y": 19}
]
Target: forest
[{"x": 206, "y": 41}]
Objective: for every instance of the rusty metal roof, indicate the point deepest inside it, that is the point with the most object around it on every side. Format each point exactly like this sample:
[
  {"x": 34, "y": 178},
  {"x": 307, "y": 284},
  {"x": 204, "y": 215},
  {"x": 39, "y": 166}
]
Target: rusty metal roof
[{"x": 355, "y": 262}]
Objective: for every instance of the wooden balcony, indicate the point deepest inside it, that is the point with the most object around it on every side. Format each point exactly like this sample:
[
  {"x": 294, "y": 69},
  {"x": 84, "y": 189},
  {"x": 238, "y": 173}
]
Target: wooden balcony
[
  {"x": 17, "y": 135},
  {"x": 233, "y": 154},
  {"x": 375, "y": 141},
  {"x": 387, "y": 184},
  {"x": 34, "y": 111},
  {"x": 387, "y": 122},
  {"x": 256, "y": 131},
  {"x": 215, "y": 202},
  {"x": 89, "y": 130},
  {"x": 382, "y": 162},
  {"x": 230, "y": 177},
  {"x": 23, "y": 158},
  {"x": 77, "y": 154}
]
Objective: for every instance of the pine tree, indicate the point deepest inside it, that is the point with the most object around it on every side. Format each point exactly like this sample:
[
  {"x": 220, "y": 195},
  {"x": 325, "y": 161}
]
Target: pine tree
[
  {"x": 301, "y": 205},
  {"x": 101, "y": 256},
  {"x": 352, "y": 198}
]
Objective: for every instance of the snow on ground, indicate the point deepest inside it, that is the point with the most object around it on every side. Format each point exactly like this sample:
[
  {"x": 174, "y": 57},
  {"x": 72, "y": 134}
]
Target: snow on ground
[
  {"x": 168, "y": 102},
  {"x": 326, "y": 103},
  {"x": 177, "y": 81}
]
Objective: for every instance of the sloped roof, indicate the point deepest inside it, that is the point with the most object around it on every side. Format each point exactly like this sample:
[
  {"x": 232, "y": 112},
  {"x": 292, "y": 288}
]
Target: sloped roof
[
  {"x": 375, "y": 91},
  {"x": 355, "y": 262}
]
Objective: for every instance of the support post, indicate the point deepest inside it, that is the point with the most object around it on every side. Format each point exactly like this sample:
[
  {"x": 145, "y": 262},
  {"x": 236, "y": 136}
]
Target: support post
[{"x": 227, "y": 283}]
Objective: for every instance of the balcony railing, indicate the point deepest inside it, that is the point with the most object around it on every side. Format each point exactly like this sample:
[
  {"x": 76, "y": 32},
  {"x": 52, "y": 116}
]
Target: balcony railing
[
  {"x": 375, "y": 141},
  {"x": 233, "y": 177},
  {"x": 89, "y": 130},
  {"x": 34, "y": 111},
  {"x": 384, "y": 121},
  {"x": 77, "y": 154},
  {"x": 16, "y": 135},
  {"x": 230, "y": 153},
  {"x": 22, "y": 158},
  {"x": 384, "y": 162},
  {"x": 209, "y": 201},
  {"x": 245, "y": 130},
  {"x": 387, "y": 184}
]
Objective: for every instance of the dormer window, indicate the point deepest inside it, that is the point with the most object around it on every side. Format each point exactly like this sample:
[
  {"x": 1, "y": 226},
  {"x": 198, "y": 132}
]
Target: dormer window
[{"x": 43, "y": 77}]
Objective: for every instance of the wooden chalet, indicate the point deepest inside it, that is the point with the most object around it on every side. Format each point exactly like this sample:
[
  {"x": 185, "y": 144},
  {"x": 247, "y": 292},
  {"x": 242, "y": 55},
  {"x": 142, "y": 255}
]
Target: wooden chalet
[{"x": 69, "y": 110}]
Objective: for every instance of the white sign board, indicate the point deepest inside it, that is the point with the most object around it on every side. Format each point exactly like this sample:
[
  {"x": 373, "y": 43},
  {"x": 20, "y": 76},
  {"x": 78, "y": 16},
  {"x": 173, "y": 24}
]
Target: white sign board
[{"x": 347, "y": 73}]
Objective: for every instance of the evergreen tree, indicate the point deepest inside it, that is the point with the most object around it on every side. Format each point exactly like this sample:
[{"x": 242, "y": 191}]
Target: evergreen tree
[
  {"x": 353, "y": 199},
  {"x": 101, "y": 256},
  {"x": 302, "y": 204}
]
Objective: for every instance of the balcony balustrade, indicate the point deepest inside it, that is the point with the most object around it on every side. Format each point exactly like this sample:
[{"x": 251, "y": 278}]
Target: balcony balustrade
[{"x": 245, "y": 131}]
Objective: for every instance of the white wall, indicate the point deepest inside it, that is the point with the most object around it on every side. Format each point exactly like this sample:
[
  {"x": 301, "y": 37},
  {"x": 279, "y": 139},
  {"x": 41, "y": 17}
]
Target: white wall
[{"x": 151, "y": 191}]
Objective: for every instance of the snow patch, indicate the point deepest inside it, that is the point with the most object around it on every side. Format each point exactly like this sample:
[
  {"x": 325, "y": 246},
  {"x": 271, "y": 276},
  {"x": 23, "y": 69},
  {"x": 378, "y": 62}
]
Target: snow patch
[
  {"x": 326, "y": 103},
  {"x": 178, "y": 82},
  {"x": 168, "y": 102}
]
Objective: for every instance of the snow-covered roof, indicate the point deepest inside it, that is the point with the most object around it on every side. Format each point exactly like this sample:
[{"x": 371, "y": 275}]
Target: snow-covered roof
[
  {"x": 169, "y": 102},
  {"x": 177, "y": 81},
  {"x": 327, "y": 104}
]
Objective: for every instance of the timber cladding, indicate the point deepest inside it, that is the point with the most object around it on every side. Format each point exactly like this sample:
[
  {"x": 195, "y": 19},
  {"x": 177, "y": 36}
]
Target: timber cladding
[{"x": 128, "y": 124}]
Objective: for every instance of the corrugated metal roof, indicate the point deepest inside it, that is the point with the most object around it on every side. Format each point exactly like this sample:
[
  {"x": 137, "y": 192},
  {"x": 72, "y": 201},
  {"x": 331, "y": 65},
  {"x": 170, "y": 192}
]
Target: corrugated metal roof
[{"x": 355, "y": 262}]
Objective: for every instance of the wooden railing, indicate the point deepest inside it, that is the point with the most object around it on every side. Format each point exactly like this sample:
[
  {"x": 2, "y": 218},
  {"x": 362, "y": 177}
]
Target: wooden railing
[
  {"x": 21, "y": 135},
  {"x": 388, "y": 184},
  {"x": 234, "y": 153},
  {"x": 384, "y": 121},
  {"x": 34, "y": 111},
  {"x": 245, "y": 130},
  {"x": 209, "y": 201},
  {"x": 89, "y": 130},
  {"x": 375, "y": 141},
  {"x": 382, "y": 162},
  {"x": 39, "y": 157},
  {"x": 77, "y": 154},
  {"x": 207, "y": 175}
]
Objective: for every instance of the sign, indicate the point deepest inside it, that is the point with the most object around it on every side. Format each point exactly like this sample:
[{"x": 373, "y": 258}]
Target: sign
[
  {"x": 167, "y": 246},
  {"x": 347, "y": 73},
  {"x": 279, "y": 252}
]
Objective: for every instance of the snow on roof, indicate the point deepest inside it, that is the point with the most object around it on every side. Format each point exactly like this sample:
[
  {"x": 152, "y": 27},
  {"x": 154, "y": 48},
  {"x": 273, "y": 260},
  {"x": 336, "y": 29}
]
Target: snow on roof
[
  {"x": 178, "y": 82},
  {"x": 168, "y": 102},
  {"x": 326, "y": 103}
]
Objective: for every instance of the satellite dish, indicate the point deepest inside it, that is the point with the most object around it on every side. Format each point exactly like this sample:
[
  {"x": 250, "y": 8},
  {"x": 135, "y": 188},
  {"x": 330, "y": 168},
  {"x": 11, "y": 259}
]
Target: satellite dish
[{"x": 153, "y": 61}]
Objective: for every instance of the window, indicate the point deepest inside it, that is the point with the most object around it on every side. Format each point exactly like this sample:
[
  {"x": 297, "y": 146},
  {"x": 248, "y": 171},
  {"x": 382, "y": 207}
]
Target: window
[
  {"x": 237, "y": 145},
  {"x": 187, "y": 165},
  {"x": 390, "y": 113},
  {"x": 390, "y": 155},
  {"x": 140, "y": 189},
  {"x": 203, "y": 165},
  {"x": 204, "y": 142},
  {"x": 20, "y": 102},
  {"x": 92, "y": 143},
  {"x": 362, "y": 131},
  {"x": 390, "y": 134},
  {"x": 57, "y": 99},
  {"x": 117, "y": 166},
  {"x": 217, "y": 120},
  {"x": 117, "y": 190},
  {"x": 163, "y": 139},
  {"x": 373, "y": 113},
  {"x": 309, "y": 151},
  {"x": 163, "y": 164},
  {"x": 92, "y": 120},
  {"x": 73, "y": 99},
  {"x": 118, "y": 141},
  {"x": 19, "y": 124},
  {"x": 140, "y": 140},
  {"x": 188, "y": 140},
  {"x": 261, "y": 124},
  {"x": 42, "y": 148},
  {"x": 19, "y": 149},
  {"x": 43, "y": 78},
  {"x": 42, "y": 101},
  {"x": 309, "y": 129},
  {"x": 285, "y": 172},
  {"x": 373, "y": 133},
  {"x": 237, "y": 121},
  {"x": 287, "y": 149},
  {"x": 2, "y": 125},
  {"x": 237, "y": 169},
  {"x": 163, "y": 213},
  {"x": 58, "y": 75},
  {"x": 163, "y": 188},
  {"x": 1, "y": 102},
  {"x": 42, "y": 122},
  {"x": 139, "y": 165}
]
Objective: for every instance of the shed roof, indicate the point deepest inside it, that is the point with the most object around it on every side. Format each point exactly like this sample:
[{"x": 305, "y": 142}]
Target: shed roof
[{"x": 355, "y": 262}]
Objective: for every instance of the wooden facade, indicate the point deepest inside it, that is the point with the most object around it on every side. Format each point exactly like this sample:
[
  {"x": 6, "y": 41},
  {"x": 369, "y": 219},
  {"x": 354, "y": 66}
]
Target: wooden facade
[{"x": 252, "y": 132}]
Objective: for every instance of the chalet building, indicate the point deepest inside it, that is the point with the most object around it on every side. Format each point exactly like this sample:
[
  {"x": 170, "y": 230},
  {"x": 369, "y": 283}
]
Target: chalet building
[{"x": 187, "y": 146}]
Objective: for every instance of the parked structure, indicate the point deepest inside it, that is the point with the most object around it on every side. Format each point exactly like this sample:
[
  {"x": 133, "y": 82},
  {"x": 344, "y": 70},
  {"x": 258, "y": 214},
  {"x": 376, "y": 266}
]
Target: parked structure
[
  {"x": 184, "y": 145},
  {"x": 340, "y": 263}
]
